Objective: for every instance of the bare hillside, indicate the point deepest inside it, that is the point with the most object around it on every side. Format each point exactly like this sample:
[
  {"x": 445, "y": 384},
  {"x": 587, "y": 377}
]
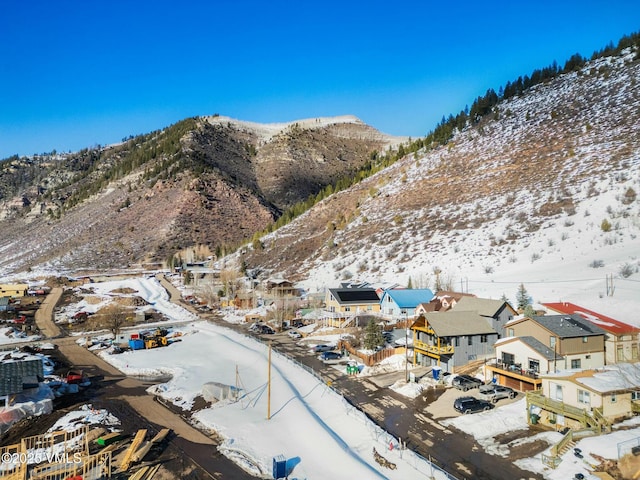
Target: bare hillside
[{"x": 208, "y": 182}]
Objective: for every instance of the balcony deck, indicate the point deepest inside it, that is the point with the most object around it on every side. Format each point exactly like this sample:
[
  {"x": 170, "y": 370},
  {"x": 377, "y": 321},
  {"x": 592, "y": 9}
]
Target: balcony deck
[{"x": 433, "y": 349}]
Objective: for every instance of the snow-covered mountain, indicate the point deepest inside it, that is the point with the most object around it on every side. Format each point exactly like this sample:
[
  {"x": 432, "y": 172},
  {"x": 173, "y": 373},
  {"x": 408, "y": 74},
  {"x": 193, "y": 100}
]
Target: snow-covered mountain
[{"x": 542, "y": 192}]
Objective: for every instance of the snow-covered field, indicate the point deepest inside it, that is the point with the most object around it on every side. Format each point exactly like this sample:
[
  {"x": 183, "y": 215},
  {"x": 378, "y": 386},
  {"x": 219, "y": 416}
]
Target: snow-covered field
[{"x": 310, "y": 424}]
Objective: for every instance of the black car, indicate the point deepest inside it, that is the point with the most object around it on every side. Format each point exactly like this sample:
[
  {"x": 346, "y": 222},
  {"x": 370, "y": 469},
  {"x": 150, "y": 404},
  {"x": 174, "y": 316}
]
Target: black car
[
  {"x": 471, "y": 405},
  {"x": 466, "y": 382}
]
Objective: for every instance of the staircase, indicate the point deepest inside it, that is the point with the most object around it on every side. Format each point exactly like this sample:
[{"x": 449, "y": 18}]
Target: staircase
[{"x": 470, "y": 368}]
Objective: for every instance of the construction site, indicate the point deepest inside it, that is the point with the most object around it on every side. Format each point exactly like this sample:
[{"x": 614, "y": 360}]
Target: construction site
[{"x": 82, "y": 454}]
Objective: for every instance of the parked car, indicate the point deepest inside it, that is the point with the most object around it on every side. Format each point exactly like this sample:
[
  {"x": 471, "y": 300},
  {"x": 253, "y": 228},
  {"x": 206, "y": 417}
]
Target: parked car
[
  {"x": 322, "y": 348},
  {"x": 332, "y": 357},
  {"x": 465, "y": 382},
  {"x": 266, "y": 329},
  {"x": 294, "y": 334},
  {"x": 493, "y": 393},
  {"x": 471, "y": 405}
]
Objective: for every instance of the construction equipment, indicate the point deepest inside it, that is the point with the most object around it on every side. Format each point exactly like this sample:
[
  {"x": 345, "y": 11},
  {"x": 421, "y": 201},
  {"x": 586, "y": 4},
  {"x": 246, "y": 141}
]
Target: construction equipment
[{"x": 157, "y": 338}]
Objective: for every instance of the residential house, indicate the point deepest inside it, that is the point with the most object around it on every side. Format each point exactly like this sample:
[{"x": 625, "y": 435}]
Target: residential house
[
  {"x": 497, "y": 312},
  {"x": 452, "y": 339},
  {"x": 578, "y": 342},
  {"x": 245, "y": 300},
  {"x": 593, "y": 398},
  {"x": 401, "y": 304},
  {"x": 441, "y": 302},
  {"x": 199, "y": 272},
  {"x": 279, "y": 287},
  {"x": 13, "y": 290},
  {"x": 343, "y": 306},
  {"x": 519, "y": 361},
  {"x": 621, "y": 339}
]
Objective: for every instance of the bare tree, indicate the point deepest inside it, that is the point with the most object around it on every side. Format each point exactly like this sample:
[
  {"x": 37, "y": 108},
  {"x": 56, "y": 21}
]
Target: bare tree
[{"x": 115, "y": 317}]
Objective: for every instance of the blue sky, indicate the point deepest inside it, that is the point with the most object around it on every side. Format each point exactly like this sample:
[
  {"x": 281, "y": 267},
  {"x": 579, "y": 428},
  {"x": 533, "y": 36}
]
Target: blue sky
[{"x": 75, "y": 74}]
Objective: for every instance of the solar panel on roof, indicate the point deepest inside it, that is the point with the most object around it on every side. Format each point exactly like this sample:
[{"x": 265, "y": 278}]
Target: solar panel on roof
[{"x": 351, "y": 295}]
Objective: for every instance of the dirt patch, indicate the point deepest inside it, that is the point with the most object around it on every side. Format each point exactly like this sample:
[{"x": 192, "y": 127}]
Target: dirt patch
[
  {"x": 526, "y": 450},
  {"x": 124, "y": 291}
]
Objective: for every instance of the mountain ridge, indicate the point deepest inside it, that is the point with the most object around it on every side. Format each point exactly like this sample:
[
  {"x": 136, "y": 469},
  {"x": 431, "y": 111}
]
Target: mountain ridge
[{"x": 201, "y": 182}]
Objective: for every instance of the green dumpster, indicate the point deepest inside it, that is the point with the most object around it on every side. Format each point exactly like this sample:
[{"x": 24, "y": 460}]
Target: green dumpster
[{"x": 534, "y": 419}]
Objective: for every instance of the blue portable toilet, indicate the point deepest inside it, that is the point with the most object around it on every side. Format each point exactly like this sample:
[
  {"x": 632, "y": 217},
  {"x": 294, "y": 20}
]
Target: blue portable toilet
[
  {"x": 279, "y": 467},
  {"x": 436, "y": 372}
]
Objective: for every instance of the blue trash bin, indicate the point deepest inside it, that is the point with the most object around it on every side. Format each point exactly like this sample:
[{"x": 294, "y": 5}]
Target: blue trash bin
[
  {"x": 435, "y": 371},
  {"x": 279, "y": 467}
]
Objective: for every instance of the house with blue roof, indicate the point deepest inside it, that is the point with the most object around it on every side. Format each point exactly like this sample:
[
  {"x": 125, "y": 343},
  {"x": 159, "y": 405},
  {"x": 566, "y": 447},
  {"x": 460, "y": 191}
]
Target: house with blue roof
[{"x": 402, "y": 304}]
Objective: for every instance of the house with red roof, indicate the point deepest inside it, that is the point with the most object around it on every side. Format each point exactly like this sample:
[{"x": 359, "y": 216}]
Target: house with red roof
[{"x": 621, "y": 339}]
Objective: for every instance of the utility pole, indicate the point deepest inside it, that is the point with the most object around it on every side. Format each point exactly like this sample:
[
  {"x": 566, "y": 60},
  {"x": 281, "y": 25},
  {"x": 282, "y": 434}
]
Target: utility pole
[
  {"x": 269, "y": 386},
  {"x": 406, "y": 350}
]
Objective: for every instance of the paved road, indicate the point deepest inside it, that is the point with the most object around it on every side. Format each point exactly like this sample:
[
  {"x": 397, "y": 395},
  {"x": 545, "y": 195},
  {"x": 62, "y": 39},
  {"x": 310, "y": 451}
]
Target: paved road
[{"x": 412, "y": 420}]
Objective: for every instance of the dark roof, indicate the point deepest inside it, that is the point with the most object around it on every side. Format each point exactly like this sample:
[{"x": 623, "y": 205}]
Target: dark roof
[
  {"x": 355, "y": 295},
  {"x": 12, "y": 374},
  {"x": 608, "y": 324},
  {"x": 567, "y": 326},
  {"x": 539, "y": 347}
]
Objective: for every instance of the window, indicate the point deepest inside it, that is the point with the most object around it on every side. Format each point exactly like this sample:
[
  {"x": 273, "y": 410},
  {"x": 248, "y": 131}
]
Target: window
[
  {"x": 347, "y": 309},
  {"x": 555, "y": 390},
  {"x": 634, "y": 351},
  {"x": 575, "y": 363},
  {"x": 635, "y": 395},
  {"x": 619, "y": 353},
  {"x": 469, "y": 340},
  {"x": 613, "y": 398},
  {"x": 457, "y": 341},
  {"x": 510, "y": 332},
  {"x": 552, "y": 342},
  {"x": 584, "y": 397},
  {"x": 508, "y": 358},
  {"x": 585, "y": 339},
  {"x": 483, "y": 339},
  {"x": 534, "y": 365}
]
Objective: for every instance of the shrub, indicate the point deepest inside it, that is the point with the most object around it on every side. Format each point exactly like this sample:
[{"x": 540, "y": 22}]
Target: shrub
[
  {"x": 629, "y": 196},
  {"x": 626, "y": 270},
  {"x": 597, "y": 264},
  {"x": 605, "y": 225}
]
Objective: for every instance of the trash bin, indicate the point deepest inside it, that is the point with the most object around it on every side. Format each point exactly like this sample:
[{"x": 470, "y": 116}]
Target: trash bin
[
  {"x": 534, "y": 419},
  {"x": 435, "y": 371},
  {"x": 279, "y": 466}
]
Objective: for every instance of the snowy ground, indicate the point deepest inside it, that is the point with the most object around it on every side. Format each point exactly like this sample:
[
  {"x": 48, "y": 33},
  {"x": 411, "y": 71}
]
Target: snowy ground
[{"x": 9, "y": 335}]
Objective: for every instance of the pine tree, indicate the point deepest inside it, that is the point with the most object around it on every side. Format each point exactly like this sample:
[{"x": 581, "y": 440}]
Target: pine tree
[
  {"x": 529, "y": 311},
  {"x": 373, "y": 336},
  {"x": 522, "y": 298}
]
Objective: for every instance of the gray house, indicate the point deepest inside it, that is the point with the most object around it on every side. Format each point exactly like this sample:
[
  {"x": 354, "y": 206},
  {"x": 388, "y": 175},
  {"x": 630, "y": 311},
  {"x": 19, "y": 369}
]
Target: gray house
[{"x": 452, "y": 339}]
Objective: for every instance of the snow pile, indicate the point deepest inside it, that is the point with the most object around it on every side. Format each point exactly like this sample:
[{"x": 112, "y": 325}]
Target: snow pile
[{"x": 85, "y": 415}]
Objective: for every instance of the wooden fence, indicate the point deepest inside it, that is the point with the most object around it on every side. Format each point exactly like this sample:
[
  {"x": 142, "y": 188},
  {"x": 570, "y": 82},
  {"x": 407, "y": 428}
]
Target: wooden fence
[{"x": 371, "y": 359}]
